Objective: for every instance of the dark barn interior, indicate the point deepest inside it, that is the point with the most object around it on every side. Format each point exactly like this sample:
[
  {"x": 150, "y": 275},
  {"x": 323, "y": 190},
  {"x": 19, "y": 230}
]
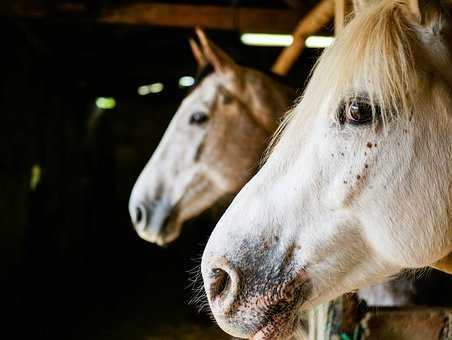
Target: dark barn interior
[
  {"x": 76, "y": 131},
  {"x": 72, "y": 265}
]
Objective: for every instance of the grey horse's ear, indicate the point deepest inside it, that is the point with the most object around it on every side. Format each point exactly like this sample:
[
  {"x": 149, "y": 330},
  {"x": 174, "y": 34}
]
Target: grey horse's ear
[
  {"x": 200, "y": 58},
  {"x": 215, "y": 55}
]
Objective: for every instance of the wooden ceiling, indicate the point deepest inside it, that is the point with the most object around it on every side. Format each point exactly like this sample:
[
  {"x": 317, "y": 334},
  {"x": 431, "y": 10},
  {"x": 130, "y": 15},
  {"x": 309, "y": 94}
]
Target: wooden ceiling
[
  {"x": 279, "y": 16},
  {"x": 112, "y": 46}
]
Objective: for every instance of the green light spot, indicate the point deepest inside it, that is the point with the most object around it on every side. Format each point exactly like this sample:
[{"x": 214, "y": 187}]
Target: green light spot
[
  {"x": 35, "y": 176},
  {"x": 186, "y": 81},
  {"x": 152, "y": 88},
  {"x": 106, "y": 103},
  {"x": 156, "y": 88}
]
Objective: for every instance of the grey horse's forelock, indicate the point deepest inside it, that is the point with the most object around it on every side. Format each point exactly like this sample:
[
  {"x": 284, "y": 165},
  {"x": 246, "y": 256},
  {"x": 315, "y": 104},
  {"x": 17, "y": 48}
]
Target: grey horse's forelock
[{"x": 203, "y": 73}]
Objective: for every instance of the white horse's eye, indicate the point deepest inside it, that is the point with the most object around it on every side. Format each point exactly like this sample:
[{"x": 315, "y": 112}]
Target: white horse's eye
[
  {"x": 356, "y": 112},
  {"x": 198, "y": 118}
]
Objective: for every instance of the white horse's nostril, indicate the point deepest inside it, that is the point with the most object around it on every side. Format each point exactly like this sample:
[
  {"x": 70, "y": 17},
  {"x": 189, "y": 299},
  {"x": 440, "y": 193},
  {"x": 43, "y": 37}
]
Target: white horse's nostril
[
  {"x": 223, "y": 285},
  {"x": 220, "y": 283}
]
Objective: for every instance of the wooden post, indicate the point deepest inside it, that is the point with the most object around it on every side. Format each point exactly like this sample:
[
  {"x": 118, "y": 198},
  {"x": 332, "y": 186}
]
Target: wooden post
[
  {"x": 342, "y": 9},
  {"x": 335, "y": 319},
  {"x": 318, "y": 17},
  {"x": 339, "y": 15}
]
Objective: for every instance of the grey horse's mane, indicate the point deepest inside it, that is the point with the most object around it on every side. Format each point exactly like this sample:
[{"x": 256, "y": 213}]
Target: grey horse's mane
[{"x": 208, "y": 69}]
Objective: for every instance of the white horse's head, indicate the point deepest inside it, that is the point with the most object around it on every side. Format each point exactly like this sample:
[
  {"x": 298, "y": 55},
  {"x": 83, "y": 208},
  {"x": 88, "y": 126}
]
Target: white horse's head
[
  {"x": 211, "y": 147},
  {"x": 358, "y": 183}
]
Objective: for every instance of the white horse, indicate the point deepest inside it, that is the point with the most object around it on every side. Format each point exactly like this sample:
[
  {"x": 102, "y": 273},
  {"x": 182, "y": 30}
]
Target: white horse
[
  {"x": 212, "y": 146},
  {"x": 357, "y": 186}
]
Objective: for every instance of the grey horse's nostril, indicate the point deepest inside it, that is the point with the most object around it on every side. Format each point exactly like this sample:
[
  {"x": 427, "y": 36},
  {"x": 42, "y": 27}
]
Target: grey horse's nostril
[
  {"x": 220, "y": 283},
  {"x": 139, "y": 215},
  {"x": 139, "y": 218}
]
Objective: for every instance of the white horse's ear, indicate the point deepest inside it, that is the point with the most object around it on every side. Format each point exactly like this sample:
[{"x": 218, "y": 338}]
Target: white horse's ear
[
  {"x": 361, "y": 5},
  {"x": 215, "y": 55},
  {"x": 414, "y": 10},
  {"x": 412, "y": 6},
  {"x": 200, "y": 58}
]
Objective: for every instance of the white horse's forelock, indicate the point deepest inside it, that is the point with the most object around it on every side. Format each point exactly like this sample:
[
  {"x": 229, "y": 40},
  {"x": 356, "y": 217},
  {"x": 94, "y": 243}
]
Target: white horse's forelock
[{"x": 375, "y": 56}]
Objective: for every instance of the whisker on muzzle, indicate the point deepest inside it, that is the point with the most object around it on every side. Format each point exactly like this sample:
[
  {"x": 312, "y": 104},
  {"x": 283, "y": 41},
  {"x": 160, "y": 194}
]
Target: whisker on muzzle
[{"x": 196, "y": 285}]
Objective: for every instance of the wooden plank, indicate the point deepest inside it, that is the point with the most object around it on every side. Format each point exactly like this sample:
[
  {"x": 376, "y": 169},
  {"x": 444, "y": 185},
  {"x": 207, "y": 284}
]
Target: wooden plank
[
  {"x": 171, "y": 15},
  {"x": 214, "y": 17},
  {"x": 345, "y": 318},
  {"x": 174, "y": 15},
  {"x": 408, "y": 324},
  {"x": 268, "y": 20}
]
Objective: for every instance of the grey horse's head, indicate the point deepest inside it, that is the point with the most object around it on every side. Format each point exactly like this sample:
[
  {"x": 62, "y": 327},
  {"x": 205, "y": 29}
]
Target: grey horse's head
[{"x": 211, "y": 147}]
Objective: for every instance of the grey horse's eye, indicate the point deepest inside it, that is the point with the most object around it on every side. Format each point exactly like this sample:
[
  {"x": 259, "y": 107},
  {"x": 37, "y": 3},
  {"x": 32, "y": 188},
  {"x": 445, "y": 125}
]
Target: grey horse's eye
[
  {"x": 227, "y": 99},
  {"x": 357, "y": 111},
  {"x": 198, "y": 118}
]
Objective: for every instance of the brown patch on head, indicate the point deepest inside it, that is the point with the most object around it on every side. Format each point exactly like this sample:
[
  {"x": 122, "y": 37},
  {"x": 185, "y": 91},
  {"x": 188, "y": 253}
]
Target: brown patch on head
[
  {"x": 369, "y": 145},
  {"x": 199, "y": 151},
  {"x": 357, "y": 187},
  {"x": 264, "y": 246}
]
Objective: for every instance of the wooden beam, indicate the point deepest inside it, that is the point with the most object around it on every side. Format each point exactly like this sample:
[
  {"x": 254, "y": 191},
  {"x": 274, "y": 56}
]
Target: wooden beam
[
  {"x": 317, "y": 18},
  {"x": 342, "y": 10},
  {"x": 174, "y": 15},
  {"x": 214, "y": 17},
  {"x": 297, "y": 4}
]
